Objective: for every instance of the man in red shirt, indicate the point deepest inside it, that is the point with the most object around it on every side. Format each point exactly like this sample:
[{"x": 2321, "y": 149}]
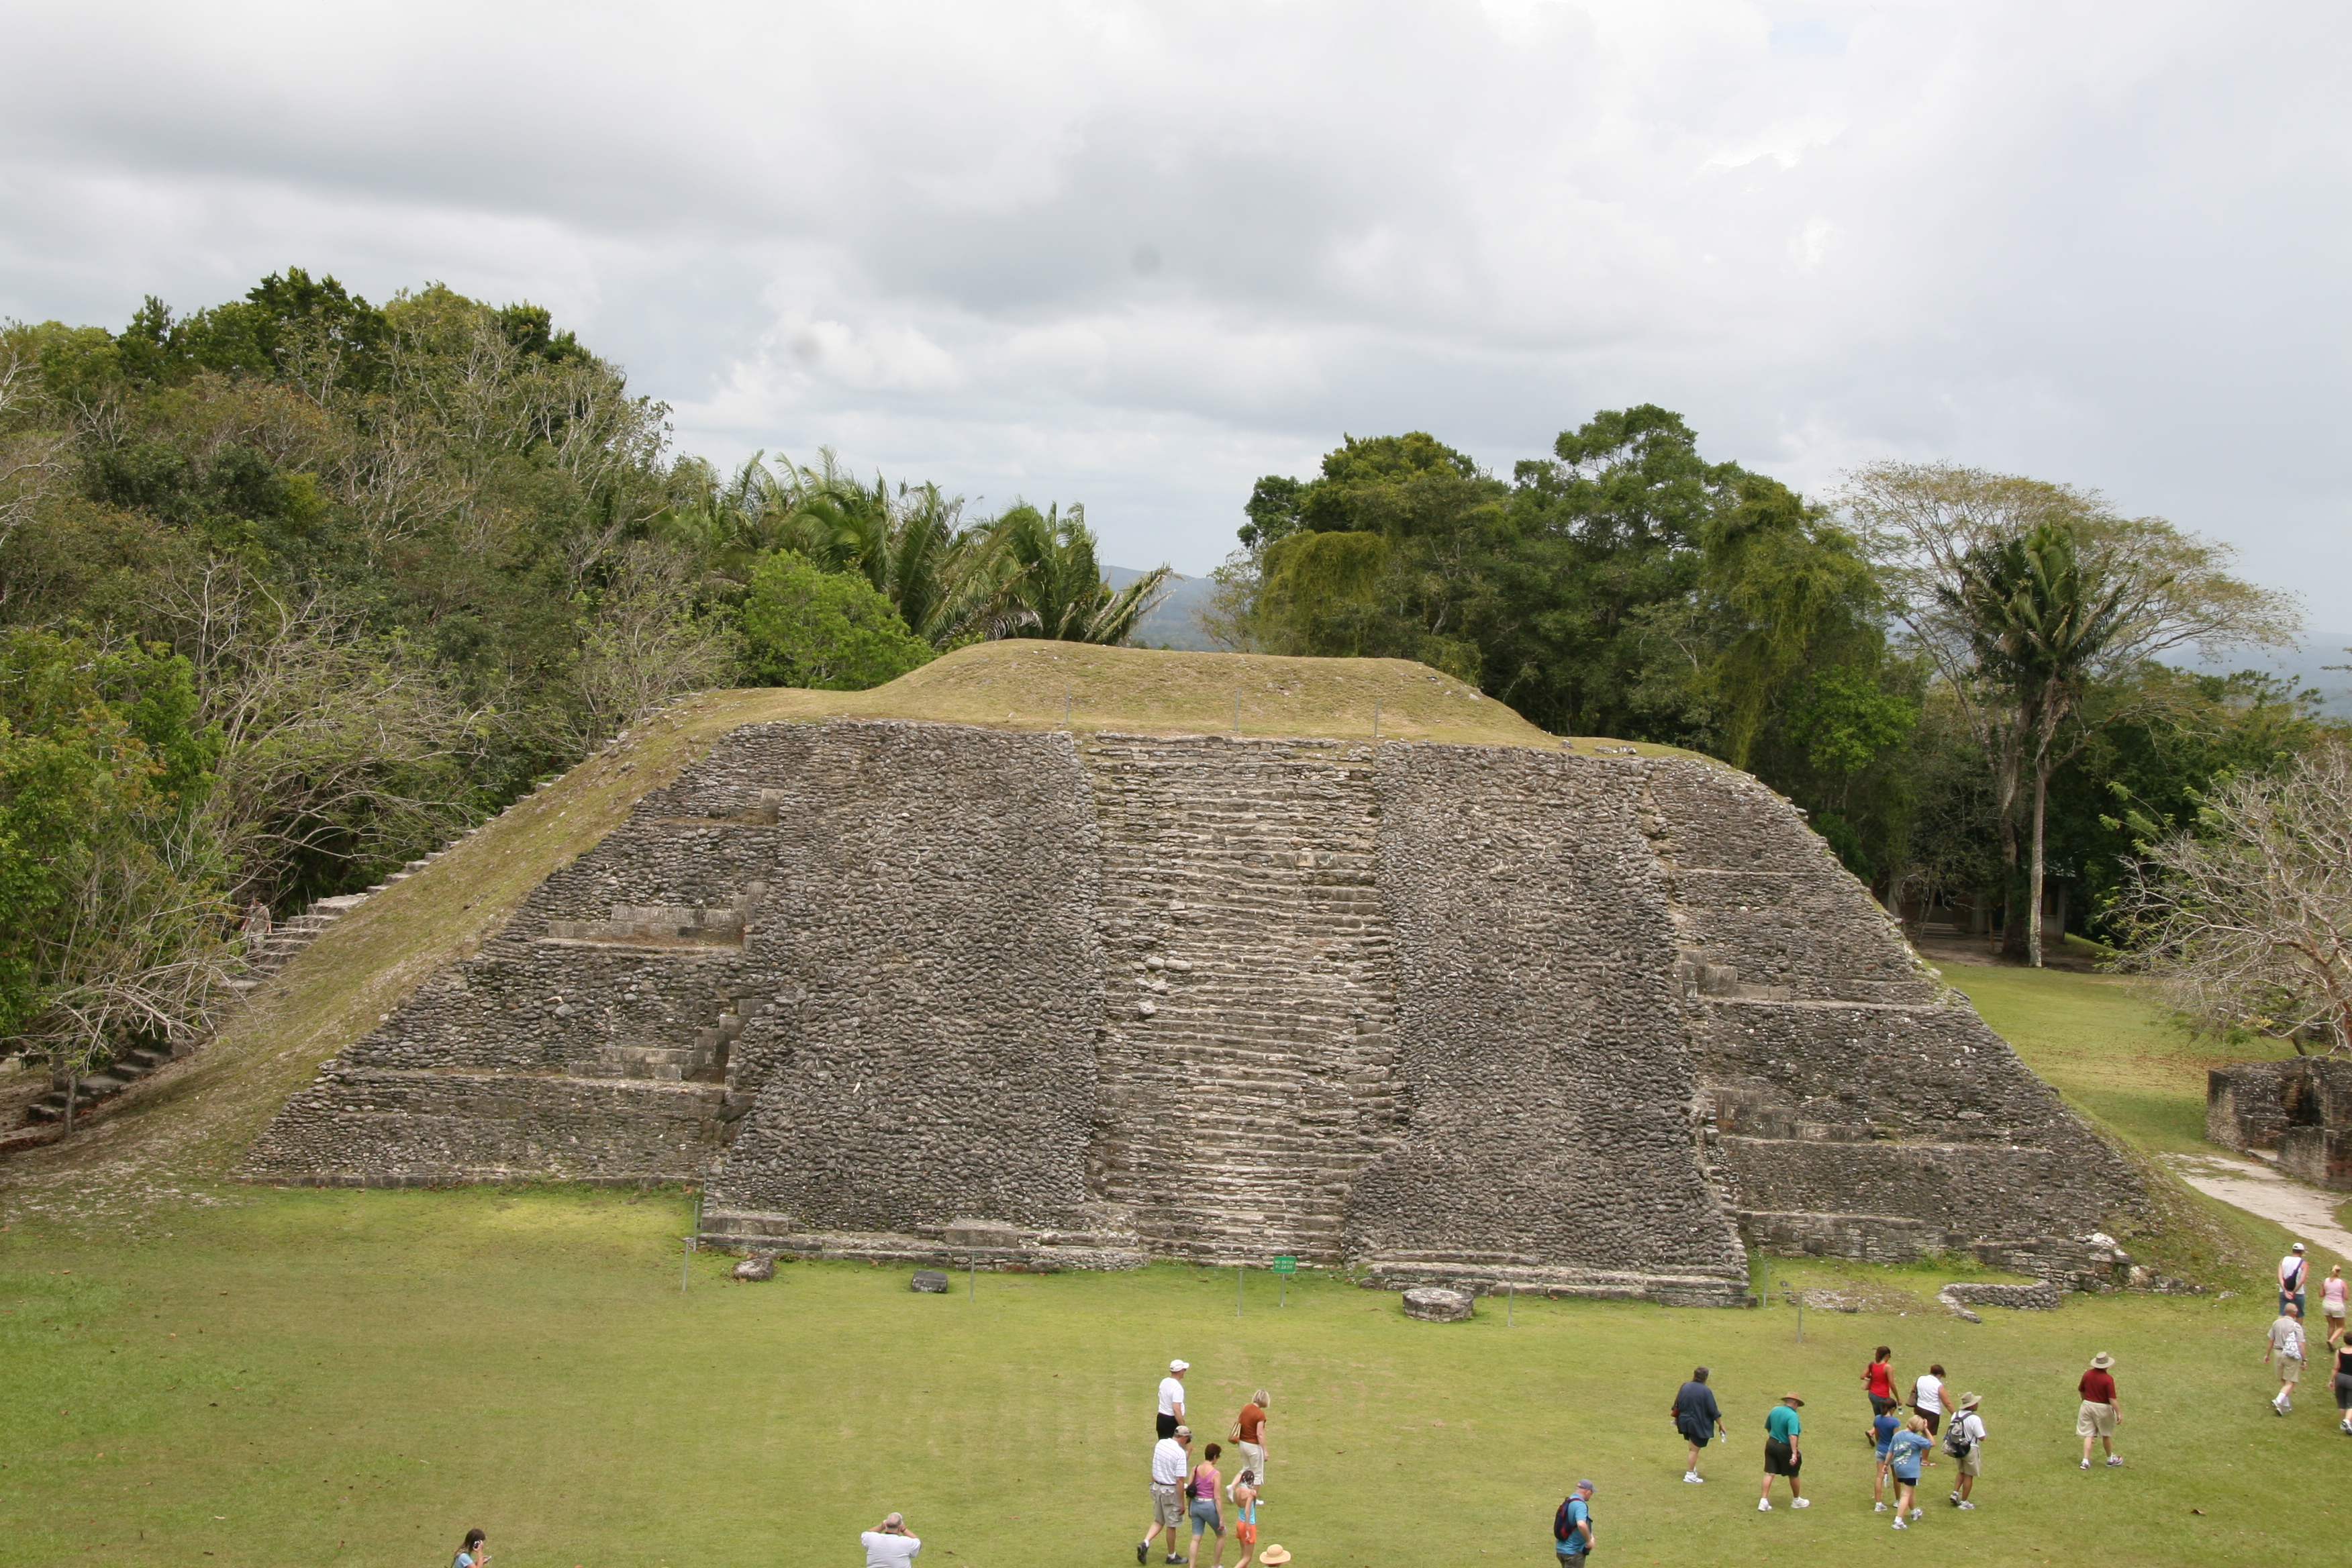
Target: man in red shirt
[{"x": 2099, "y": 1414}]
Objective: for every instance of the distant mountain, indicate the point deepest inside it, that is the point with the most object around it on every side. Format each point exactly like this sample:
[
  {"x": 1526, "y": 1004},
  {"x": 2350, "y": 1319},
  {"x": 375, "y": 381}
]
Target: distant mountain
[
  {"x": 2304, "y": 663},
  {"x": 1176, "y": 621}
]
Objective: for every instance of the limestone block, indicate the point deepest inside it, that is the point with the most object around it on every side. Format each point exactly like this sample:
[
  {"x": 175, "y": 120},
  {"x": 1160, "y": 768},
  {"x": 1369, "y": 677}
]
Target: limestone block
[
  {"x": 1433, "y": 1304},
  {"x": 759, "y": 1265},
  {"x": 929, "y": 1282}
]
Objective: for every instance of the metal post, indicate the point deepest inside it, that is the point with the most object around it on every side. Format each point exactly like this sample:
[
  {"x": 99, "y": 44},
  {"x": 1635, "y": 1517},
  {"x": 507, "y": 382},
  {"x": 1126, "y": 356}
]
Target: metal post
[
  {"x": 1282, "y": 1290},
  {"x": 686, "y": 1265},
  {"x": 972, "y": 1279}
]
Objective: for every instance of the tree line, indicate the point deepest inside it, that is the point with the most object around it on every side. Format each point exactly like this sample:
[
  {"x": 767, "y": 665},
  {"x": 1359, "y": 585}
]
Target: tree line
[{"x": 294, "y": 588}]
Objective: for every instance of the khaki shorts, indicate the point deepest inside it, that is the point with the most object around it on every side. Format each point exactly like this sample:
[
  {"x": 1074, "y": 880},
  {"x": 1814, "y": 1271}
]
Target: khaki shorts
[
  {"x": 1972, "y": 1462},
  {"x": 2290, "y": 1368},
  {"x": 2095, "y": 1421},
  {"x": 1167, "y": 1505}
]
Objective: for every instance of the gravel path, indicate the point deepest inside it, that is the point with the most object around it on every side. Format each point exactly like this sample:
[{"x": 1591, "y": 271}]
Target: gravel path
[{"x": 2257, "y": 1188}]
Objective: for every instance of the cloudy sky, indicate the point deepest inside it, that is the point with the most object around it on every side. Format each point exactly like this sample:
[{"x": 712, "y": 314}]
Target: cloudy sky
[{"x": 1136, "y": 254}]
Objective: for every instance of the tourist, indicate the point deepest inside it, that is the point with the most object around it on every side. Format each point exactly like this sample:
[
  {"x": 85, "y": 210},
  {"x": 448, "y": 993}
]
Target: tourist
[
  {"x": 2292, "y": 1272},
  {"x": 1171, "y": 1398},
  {"x": 2331, "y": 1304},
  {"x": 1783, "y": 1455},
  {"x": 2344, "y": 1384},
  {"x": 2285, "y": 1341},
  {"x": 1883, "y": 1427},
  {"x": 1904, "y": 1452},
  {"x": 474, "y": 1552},
  {"x": 1928, "y": 1395},
  {"x": 1879, "y": 1381},
  {"x": 1698, "y": 1418},
  {"x": 1571, "y": 1527},
  {"x": 1244, "y": 1495},
  {"x": 889, "y": 1544},
  {"x": 1201, "y": 1502},
  {"x": 1249, "y": 1431},
  {"x": 1169, "y": 1464},
  {"x": 1965, "y": 1442},
  {"x": 2096, "y": 1422}
]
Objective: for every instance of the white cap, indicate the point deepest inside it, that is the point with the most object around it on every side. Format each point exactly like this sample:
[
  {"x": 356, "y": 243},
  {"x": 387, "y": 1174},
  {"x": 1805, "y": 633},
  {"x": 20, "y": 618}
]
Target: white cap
[
  {"x": 1180, "y": 1366},
  {"x": 2298, "y": 1246}
]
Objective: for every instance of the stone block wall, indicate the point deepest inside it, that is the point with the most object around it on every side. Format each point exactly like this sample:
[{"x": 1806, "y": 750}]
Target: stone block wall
[
  {"x": 1476, "y": 1016},
  {"x": 2301, "y": 1107}
]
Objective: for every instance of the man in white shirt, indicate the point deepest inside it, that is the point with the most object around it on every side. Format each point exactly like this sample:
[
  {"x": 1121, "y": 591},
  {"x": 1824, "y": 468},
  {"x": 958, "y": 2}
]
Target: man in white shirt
[
  {"x": 2293, "y": 1272},
  {"x": 888, "y": 1544},
  {"x": 1171, "y": 1398},
  {"x": 1968, "y": 1427},
  {"x": 1171, "y": 1463},
  {"x": 2285, "y": 1342}
]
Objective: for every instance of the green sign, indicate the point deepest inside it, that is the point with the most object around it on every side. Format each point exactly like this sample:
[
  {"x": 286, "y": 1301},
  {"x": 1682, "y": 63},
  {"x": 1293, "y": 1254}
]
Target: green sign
[{"x": 1285, "y": 1265}]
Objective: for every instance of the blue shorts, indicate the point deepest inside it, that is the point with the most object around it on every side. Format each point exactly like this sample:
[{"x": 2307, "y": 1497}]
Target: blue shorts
[{"x": 1204, "y": 1516}]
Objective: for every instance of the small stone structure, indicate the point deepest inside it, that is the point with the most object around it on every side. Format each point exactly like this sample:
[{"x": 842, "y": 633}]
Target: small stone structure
[
  {"x": 2299, "y": 1108},
  {"x": 2042, "y": 1295},
  {"x": 1436, "y": 1304},
  {"x": 1483, "y": 1017},
  {"x": 759, "y": 1265}
]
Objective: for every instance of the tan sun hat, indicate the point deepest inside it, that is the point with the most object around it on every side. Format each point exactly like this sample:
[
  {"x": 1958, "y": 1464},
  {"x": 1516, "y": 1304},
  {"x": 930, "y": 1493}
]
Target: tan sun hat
[
  {"x": 1971, "y": 1401},
  {"x": 1274, "y": 1554},
  {"x": 2102, "y": 1361},
  {"x": 1790, "y": 1399}
]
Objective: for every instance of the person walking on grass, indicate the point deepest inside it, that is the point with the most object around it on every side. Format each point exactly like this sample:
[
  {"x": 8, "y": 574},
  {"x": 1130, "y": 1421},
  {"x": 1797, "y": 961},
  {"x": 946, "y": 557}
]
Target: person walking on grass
[
  {"x": 1244, "y": 1495},
  {"x": 2331, "y": 1303},
  {"x": 2096, "y": 1422},
  {"x": 1904, "y": 1452},
  {"x": 1927, "y": 1396},
  {"x": 1171, "y": 1398},
  {"x": 1698, "y": 1418},
  {"x": 889, "y": 1544},
  {"x": 1170, "y": 1464},
  {"x": 2343, "y": 1380},
  {"x": 1883, "y": 1427},
  {"x": 1879, "y": 1381},
  {"x": 1964, "y": 1442},
  {"x": 473, "y": 1552},
  {"x": 1784, "y": 1452},
  {"x": 1201, "y": 1502},
  {"x": 2285, "y": 1341},
  {"x": 2294, "y": 1272},
  {"x": 1249, "y": 1431},
  {"x": 1571, "y": 1527}
]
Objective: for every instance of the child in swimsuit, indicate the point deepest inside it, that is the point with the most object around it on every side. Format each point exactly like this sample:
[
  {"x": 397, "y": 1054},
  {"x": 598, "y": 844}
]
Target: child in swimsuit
[{"x": 1244, "y": 1495}]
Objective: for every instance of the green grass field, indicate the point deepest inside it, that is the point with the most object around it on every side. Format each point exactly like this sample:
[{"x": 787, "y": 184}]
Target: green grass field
[{"x": 197, "y": 1373}]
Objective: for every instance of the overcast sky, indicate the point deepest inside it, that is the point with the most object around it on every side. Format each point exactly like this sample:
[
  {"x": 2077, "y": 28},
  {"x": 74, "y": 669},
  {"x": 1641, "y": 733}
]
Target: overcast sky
[{"x": 1138, "y": 254}]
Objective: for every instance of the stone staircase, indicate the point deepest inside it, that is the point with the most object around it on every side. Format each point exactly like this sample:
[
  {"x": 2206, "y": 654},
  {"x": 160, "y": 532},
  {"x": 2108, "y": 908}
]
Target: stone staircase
[{"x": 1248, "y": 992}]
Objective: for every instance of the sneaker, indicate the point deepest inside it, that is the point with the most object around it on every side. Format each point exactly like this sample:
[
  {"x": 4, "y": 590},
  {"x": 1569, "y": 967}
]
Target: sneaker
[
  {"x": 1899, "y": 1524},
  {"x": 1143, "y": 1553},
  {"x": 1693, "y": 1478},
  {"x": 1956, "y": 1500},
  {"x": 2286, "y": 1406},
  {"x": 1802, "y": 1502},
  {"x": 1878, "y": 1507},
  {"x": 1964, "y": 1503},
  {"x": 1763, "y": 1505},
  {"x": 2114, "y": 1459},
  {"x": 1918, "y": 1513},
  {"x": 2086, "y": 1464}
]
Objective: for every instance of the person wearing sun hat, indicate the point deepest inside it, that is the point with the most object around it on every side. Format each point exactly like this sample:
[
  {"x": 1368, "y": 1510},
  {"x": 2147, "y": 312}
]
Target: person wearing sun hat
[
  {"x": 1783, "y": 1455},
  {"x": 1966, "y": 1441},
  {"x": 2096, "y": 1422}
]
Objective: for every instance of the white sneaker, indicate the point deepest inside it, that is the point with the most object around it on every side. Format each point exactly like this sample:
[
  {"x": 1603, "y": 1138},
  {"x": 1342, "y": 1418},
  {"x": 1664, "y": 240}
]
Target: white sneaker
[
  {"x": 1878, "y": 1507},
  {"x": 1763, "y": 1505},
  {"x": 1918, "y": 1513},
  {"x": 2086, "y": 1464},
  {"x": 1802, "y": 1502},
  {"x": 1965, "y": 1503},
  {"x": 1899, "y": 1524},
  {"x": 1955, "y": 1499},
  {"x": 2114, "y": 1459},
  {"x": 1693, "y": 1477}
]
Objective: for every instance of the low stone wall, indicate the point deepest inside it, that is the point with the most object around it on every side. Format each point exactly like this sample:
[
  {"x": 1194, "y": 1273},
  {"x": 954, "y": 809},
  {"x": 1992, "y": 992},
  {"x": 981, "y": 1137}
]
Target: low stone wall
[{"x": 2301, "y": 1107}]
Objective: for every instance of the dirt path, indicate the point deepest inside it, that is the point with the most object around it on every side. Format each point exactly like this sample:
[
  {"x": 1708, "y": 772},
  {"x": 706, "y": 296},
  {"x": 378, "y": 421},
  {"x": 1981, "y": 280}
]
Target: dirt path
[{"x": 2255, "y": 1187}]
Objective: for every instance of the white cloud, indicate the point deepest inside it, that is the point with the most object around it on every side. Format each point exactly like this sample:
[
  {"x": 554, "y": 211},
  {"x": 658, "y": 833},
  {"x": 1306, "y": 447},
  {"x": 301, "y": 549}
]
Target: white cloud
[{"x": 1137, "y": 254}]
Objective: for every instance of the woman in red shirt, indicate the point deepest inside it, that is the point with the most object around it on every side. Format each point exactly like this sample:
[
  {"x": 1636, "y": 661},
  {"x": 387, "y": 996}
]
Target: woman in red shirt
[
  {"x": 1879, "y": 1381},
  {"x": 2099, "y": 1412}
]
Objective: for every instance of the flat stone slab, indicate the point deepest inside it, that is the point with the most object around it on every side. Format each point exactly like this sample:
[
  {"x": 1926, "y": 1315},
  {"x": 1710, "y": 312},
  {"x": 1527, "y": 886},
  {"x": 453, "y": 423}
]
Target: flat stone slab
[
  {"x": 759, "y": 1265},
  {"x": 930, "y": 1281},
  {"x": 1432, "y": 1304}
]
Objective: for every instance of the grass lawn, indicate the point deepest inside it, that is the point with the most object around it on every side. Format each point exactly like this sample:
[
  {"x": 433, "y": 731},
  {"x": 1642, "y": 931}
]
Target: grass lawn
[{"x": 303, "y": 1377}]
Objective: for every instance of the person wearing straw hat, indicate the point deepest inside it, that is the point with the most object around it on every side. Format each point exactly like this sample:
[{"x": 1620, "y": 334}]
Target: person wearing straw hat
[
  {"x": 1964, "y": 1442},
  {"x": 1783, "y": 1454},
  {"x": 2096, "y": 1422}
]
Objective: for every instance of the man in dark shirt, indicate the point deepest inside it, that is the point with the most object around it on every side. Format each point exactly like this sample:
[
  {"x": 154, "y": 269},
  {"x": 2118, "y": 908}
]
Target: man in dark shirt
[{"x": 1697, "y": 1418}]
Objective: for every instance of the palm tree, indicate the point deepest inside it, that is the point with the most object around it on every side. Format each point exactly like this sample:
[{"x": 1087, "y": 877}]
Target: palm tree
[
  {"x": 1053, "y": 586},
  {"x": 2040, "y": 619}
]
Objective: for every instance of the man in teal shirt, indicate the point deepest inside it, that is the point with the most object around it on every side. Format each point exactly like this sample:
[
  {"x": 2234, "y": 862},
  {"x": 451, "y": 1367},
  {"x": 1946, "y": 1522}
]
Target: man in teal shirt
[
  {"x": 1783, "y": 1456},
  {"x": 1576, "y": 1517}
]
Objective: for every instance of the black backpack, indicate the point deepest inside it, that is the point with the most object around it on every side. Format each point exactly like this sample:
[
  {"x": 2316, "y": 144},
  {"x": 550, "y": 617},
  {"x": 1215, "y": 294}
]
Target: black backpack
[{"x": 1560, "y": 1527}]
